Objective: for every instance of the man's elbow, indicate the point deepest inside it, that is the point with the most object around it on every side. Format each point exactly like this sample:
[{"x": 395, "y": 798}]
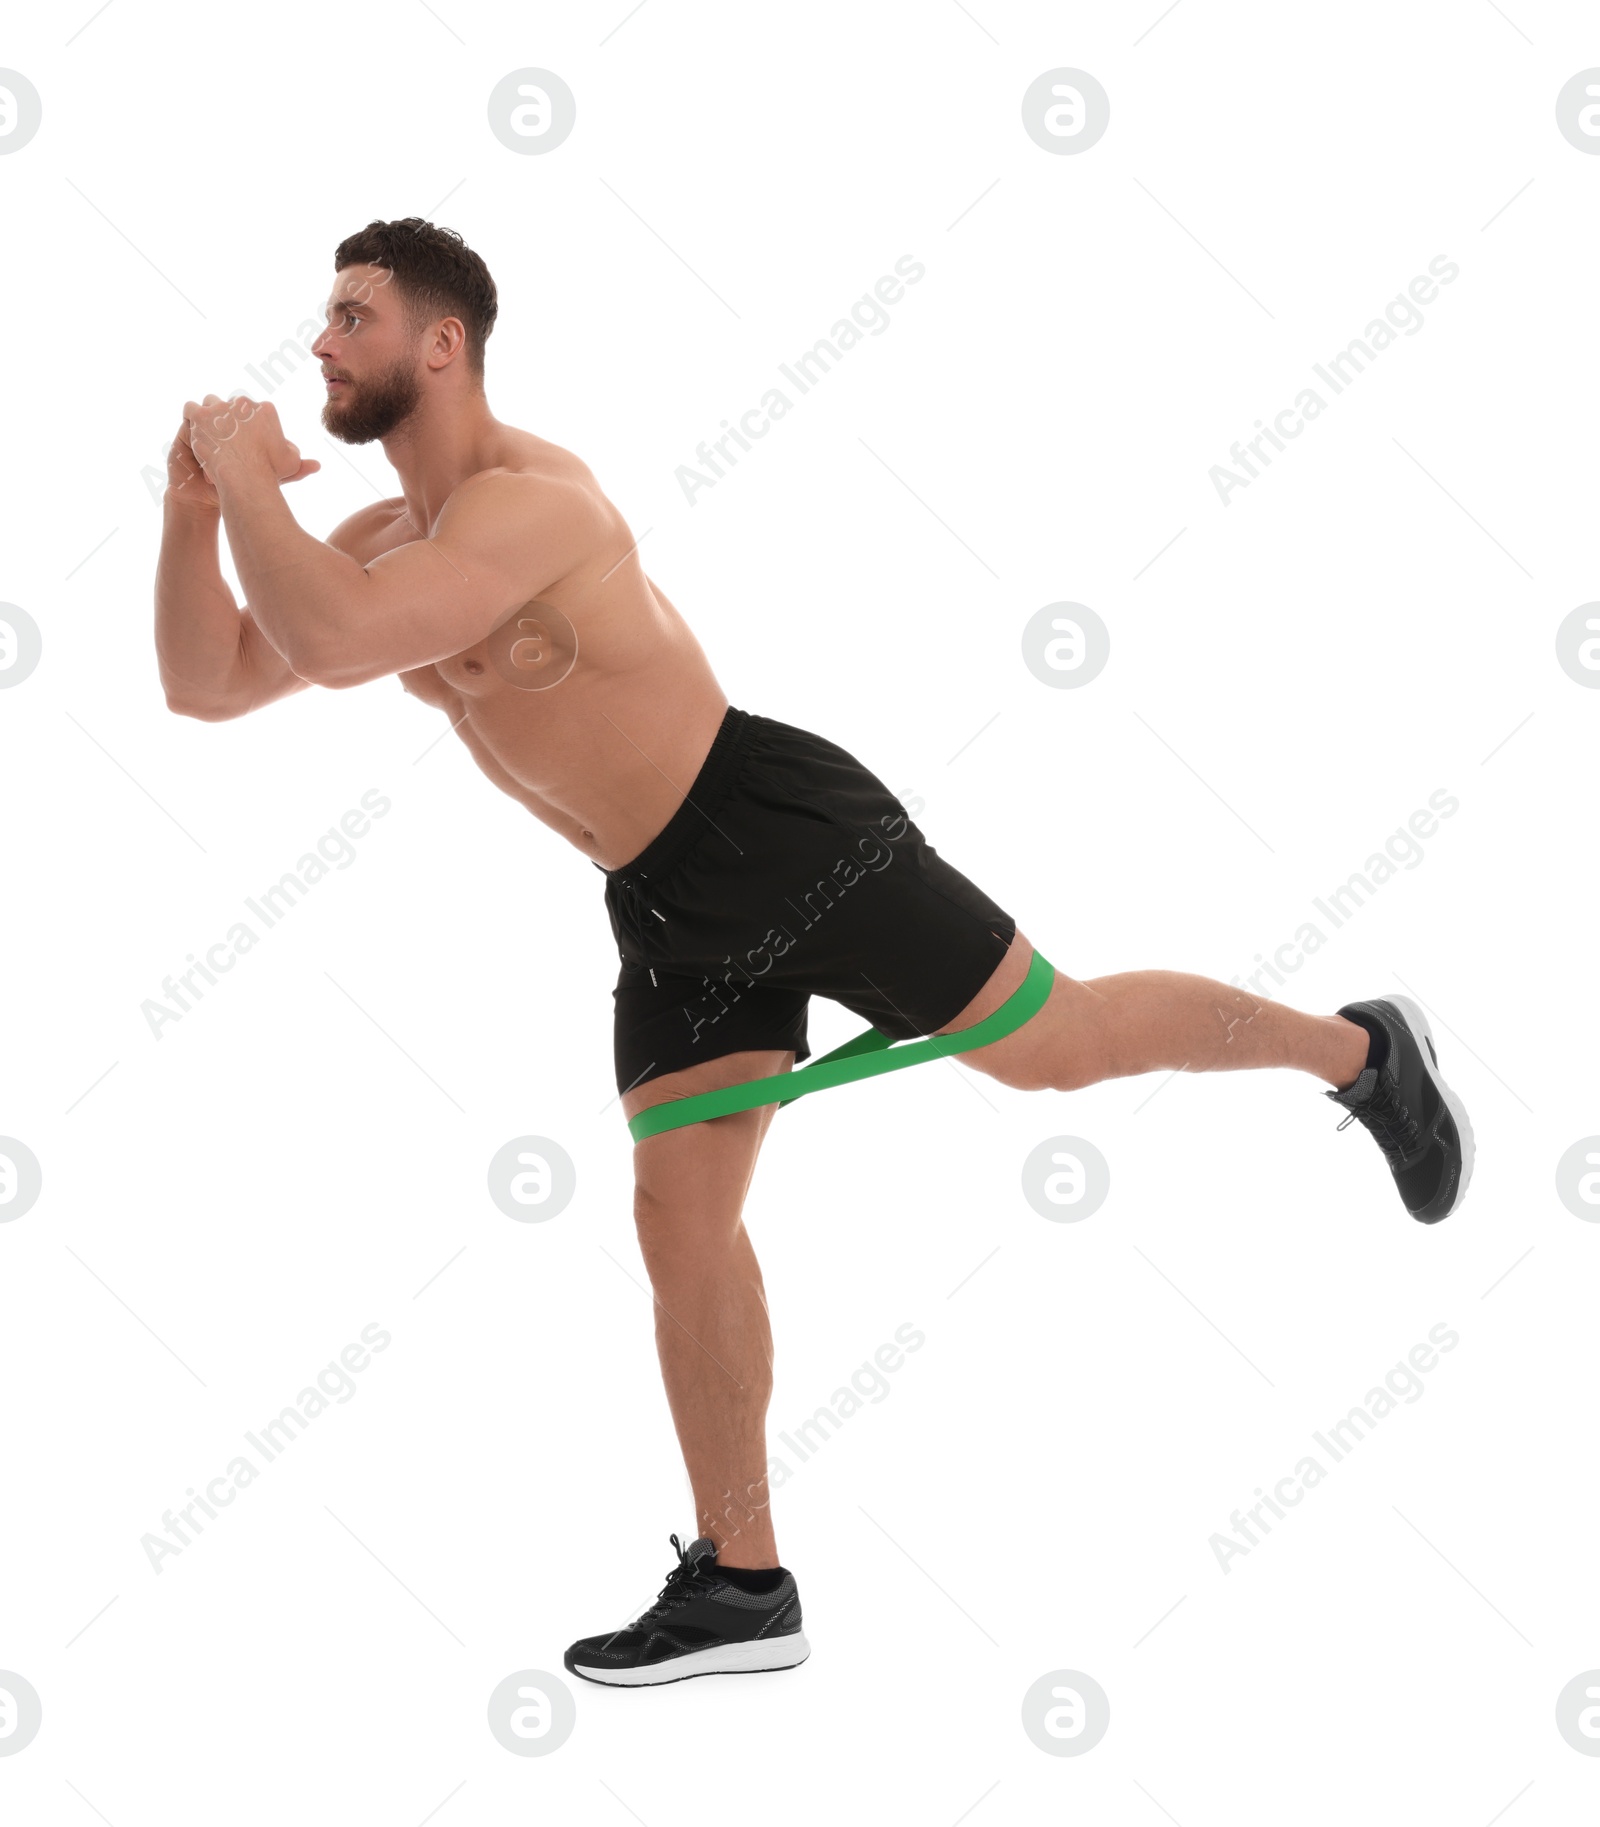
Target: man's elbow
[
  {"x": 205, "y": 710},
  {"x": 332, "y": 670}
]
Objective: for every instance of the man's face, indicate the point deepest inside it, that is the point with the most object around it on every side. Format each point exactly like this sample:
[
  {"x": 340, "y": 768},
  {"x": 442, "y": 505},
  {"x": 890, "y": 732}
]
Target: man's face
[{"x": 369, "y": 357}]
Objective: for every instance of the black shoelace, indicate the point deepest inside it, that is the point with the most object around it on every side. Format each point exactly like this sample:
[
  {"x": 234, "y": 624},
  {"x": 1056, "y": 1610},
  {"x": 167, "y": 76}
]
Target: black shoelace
[
  {"x": 685, "y": 1582},
  {"x": 1395, "y": 1128}
]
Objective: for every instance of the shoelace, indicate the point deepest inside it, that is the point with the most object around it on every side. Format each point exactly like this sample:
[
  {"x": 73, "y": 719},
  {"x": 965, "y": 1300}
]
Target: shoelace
[
  {"x": 683, "y": 1583},
  {"x": 1396, "y": 1129}
]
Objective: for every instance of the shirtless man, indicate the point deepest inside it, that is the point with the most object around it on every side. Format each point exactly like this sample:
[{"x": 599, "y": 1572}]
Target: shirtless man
[{"x": 502, "y": 588}]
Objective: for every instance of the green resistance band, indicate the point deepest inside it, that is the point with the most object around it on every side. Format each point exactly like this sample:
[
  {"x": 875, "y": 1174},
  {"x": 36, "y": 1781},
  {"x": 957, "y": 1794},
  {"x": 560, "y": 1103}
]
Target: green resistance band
[{"x": 866, "y": 1055}]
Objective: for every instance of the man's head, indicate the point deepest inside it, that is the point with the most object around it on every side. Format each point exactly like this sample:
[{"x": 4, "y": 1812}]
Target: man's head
[{"x": 410, "y": 310}]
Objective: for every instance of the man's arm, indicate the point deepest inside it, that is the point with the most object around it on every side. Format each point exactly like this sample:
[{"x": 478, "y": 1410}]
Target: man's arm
[
  {"x": 501, "y": 539},
  {"x": 213, "y": 661}
]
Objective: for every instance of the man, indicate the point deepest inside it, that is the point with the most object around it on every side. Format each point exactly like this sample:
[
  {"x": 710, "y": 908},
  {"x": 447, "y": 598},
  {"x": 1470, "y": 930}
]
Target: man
[{"x": 502, "y": 587}]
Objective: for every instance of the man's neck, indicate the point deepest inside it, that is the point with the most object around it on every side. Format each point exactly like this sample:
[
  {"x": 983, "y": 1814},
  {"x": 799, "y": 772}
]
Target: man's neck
[{"x": 438, "y": 447}]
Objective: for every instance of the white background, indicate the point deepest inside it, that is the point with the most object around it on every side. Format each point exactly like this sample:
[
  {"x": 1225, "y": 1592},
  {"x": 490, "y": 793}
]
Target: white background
[{"x": 226, "y": 1207}]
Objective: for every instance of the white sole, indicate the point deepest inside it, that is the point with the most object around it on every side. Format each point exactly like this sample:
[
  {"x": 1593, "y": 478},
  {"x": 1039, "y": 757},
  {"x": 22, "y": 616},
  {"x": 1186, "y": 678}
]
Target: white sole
[
  {"x": 1418, "y": 1023},
  {"x": 720, "y": 1659}
]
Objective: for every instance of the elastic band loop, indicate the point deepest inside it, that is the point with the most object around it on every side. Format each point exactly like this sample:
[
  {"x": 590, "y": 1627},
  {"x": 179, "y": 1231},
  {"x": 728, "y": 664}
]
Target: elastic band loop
[{"x": 865, "y": 1056}]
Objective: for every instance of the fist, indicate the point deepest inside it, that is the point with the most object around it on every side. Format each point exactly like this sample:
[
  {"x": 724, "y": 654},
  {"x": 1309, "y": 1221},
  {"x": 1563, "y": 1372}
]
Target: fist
[
  {"x": 225, "y": 434},
  {"x": 186, "y": 480}
]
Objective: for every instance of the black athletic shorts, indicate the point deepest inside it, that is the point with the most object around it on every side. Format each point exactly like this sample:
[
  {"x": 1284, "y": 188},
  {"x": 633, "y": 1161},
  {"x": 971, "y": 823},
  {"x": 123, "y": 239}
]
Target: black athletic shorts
[{"x": 789, "y": 871}]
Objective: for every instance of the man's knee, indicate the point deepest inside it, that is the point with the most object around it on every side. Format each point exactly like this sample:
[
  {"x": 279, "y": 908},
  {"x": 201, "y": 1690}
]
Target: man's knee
[
  {"x": 1055, "y": 1056},
  {"x": 686, "y": 1202}
]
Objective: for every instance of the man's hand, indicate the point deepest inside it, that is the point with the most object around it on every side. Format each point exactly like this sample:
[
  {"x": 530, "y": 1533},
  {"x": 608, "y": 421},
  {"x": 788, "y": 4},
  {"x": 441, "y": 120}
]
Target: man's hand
[
  {"x": 187, "y": 483},
  {"x": 226, "y": 436}
]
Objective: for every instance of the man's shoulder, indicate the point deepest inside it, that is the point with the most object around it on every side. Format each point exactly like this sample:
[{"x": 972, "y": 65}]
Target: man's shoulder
[
  {"x": 537, "y": 466},
  {"x": 536, "y": 494}
]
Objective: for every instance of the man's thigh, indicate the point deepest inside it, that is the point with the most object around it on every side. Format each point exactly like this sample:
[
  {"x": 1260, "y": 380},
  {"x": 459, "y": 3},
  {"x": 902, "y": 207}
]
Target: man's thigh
[
  {"x": 690, "y": 1183},
  {"x": 1058, "y": 1045}
]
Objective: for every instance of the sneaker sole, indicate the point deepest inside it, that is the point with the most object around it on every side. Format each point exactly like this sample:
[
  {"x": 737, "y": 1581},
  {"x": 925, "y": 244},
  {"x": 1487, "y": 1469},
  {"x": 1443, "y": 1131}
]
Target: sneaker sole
[
  {"x": 756, "y": 1657},
  {"x": 1418, "y": 1023}
]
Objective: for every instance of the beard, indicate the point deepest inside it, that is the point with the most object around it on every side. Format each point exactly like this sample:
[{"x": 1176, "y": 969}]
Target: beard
[{"x": 372, "y": 408}]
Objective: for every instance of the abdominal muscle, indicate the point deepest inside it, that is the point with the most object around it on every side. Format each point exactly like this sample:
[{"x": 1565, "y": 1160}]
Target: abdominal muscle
[{"x": 622, "y": 706}]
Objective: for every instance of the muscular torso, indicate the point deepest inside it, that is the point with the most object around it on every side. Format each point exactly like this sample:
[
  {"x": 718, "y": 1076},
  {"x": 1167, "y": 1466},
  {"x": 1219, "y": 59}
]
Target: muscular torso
[{"x": 594, "y": 705}]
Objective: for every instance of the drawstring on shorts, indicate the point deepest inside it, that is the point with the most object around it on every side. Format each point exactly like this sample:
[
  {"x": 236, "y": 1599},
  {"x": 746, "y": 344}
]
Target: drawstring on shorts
[
  {"x": 633, "y": 897},
  {"x": 641, "y": 908}
]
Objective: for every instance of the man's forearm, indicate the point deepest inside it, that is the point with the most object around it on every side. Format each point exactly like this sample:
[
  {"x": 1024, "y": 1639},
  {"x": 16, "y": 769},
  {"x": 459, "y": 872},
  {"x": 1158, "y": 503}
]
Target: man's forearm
[
  {"x": 299, "y": 589},
  {"x": 197, "y": 619}
]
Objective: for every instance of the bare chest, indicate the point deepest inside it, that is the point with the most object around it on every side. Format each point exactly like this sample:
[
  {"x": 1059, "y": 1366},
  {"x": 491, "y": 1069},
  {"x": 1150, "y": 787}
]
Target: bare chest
[{"x": 531, "y": 651}]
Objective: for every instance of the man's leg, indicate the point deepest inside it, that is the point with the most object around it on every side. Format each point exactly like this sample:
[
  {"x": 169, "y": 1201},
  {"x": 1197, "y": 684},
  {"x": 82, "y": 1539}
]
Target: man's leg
[
  {"x": 1151, "y": 1021},
  {"x": 712, "y": 1330},
  {"x": 1382, "y": 1066}
]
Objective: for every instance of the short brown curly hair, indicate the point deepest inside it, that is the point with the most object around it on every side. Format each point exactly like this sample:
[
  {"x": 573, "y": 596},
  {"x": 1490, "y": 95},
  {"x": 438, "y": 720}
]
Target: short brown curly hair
[{"x": 436, "y": 273}]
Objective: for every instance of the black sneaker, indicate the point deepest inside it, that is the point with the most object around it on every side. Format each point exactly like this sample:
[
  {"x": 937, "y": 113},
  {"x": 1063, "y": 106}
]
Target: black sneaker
[
  {"x": 702, "y": 1624},
  {"x": 1419, "y": 1122}
]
